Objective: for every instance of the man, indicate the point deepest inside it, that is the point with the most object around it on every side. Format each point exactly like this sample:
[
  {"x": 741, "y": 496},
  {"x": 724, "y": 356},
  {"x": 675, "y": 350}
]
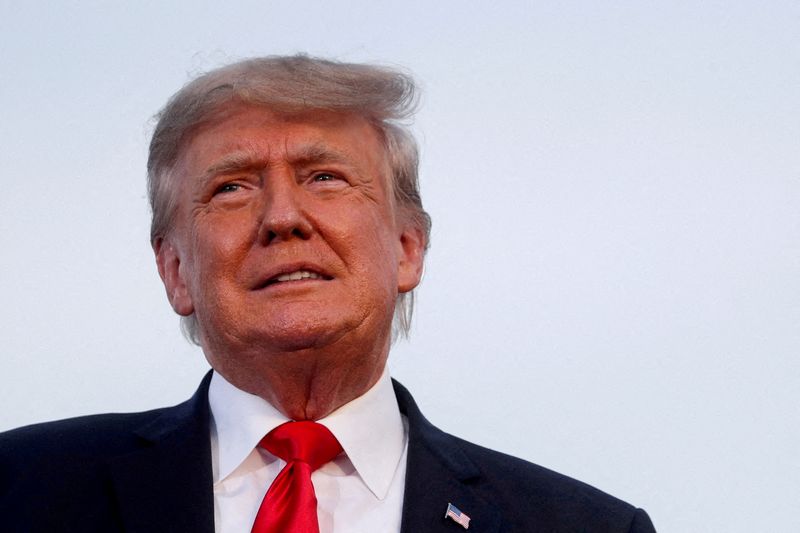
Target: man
[{"x": 288, "y": 231}]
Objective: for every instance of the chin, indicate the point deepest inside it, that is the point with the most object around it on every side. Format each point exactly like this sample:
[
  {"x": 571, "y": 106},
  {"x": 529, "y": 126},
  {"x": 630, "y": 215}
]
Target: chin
[
  {"x": 295, "y": 341},
  {"x": 299, "y": 334}
]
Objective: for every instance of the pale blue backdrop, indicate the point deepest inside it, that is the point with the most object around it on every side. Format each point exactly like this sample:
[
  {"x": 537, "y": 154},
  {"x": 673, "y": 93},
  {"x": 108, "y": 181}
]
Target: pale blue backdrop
[{"x": 613, "y": 289}]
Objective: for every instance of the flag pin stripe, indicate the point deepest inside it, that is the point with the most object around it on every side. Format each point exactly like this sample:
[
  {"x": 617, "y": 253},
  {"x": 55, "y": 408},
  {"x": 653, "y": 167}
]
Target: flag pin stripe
[{"x": 454, "y": 514}]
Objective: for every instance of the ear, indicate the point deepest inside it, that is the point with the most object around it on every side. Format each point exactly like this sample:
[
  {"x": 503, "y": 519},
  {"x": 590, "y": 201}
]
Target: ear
[
  {"x": 169, "y": 268},
  {"x": 411, "y": 258}
]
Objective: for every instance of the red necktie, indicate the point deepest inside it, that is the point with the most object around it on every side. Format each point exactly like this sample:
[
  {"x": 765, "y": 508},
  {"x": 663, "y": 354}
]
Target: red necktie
[{"x": 290, "y": 505}]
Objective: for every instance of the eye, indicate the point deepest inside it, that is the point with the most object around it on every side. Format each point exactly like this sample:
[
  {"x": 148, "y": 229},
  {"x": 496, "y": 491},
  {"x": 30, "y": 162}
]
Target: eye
[
  {"x": 326, "y": 181},
  {"x": 227, "y": 187},
  {"x": 325, "y": 176}
]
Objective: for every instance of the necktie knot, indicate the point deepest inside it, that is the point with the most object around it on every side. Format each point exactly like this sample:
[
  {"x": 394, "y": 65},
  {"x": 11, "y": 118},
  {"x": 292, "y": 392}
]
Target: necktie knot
[
  {"x": 290, "y": 505},
  {"x": 307, "y": 442}
]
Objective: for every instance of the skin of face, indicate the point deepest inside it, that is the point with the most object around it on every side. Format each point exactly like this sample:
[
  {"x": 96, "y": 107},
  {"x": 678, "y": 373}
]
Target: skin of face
[{"x": 263, "y": 196}]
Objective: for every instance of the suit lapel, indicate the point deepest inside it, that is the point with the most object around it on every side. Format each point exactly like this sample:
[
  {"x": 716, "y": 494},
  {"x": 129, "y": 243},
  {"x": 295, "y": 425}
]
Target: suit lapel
[
  {"x": 437, "y": 473},
  {"x": 167, "y": 484}
]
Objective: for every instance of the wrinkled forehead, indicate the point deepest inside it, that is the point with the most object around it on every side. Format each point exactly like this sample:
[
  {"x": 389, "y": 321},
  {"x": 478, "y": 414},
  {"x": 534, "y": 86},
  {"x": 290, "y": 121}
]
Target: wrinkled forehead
[
  {"x": 303, "y": 133},
  {"x": 246, "y": 138}
]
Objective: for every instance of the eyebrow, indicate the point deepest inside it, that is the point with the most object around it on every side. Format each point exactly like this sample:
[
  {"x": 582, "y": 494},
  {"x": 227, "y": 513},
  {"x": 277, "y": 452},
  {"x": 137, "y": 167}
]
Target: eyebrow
[
  {"x": 309, "y": 154},
  {"x": 319, "y": 152},
  {"x": 235, "y": 162}
]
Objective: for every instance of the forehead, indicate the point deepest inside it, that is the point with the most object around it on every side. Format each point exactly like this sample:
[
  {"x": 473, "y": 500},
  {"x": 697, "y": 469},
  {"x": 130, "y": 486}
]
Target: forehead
[{"x": 249, "y": 131}]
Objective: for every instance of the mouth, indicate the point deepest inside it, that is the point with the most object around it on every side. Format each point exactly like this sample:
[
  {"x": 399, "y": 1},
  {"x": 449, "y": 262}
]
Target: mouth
[{"x": 293, "y": 275}]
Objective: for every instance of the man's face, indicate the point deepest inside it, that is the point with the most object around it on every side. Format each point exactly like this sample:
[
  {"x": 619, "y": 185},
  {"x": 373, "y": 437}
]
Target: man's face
[{"x": 286, "y": 235}]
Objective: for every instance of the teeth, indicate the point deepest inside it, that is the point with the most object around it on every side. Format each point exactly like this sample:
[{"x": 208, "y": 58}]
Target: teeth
[{"x": 300, "y": 274}]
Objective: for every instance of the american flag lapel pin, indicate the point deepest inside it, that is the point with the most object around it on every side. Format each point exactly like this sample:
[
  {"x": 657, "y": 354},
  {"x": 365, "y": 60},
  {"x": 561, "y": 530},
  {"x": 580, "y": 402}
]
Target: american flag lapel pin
[{"x": 454, "y": 514}]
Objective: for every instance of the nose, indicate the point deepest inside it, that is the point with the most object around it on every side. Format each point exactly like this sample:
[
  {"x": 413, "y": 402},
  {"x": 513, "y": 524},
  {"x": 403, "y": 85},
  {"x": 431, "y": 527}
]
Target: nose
[{"x": 284, "y": 216}]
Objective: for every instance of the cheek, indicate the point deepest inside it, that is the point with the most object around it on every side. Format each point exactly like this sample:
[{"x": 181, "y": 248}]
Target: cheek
[
  {"x": 219, "y": 248},
  {"x": 367, "y": 238},
  {"x": 377, "y": 254}
]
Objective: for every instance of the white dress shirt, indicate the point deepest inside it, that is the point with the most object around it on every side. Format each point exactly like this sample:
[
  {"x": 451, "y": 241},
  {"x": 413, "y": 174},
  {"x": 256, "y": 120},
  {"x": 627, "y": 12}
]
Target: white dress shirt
[{"x": 361, "y": 491}]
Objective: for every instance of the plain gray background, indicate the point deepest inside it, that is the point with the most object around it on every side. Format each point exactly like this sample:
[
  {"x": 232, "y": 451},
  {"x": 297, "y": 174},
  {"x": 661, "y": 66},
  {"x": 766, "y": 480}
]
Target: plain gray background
[{"x": 613, "y": 287}]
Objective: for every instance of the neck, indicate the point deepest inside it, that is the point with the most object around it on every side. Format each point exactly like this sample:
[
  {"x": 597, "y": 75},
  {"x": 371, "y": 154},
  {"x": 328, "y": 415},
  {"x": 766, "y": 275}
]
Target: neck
[{"x": 306, "y": 384}]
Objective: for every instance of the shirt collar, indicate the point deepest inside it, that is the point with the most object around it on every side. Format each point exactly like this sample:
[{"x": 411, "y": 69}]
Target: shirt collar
[
  {"x": 240, "y": 421},
  {"x": 369, "y": 428}
]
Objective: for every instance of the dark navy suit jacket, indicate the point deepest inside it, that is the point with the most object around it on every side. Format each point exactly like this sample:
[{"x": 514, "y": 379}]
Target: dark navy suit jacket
[{"x": 151, "y": 472}]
